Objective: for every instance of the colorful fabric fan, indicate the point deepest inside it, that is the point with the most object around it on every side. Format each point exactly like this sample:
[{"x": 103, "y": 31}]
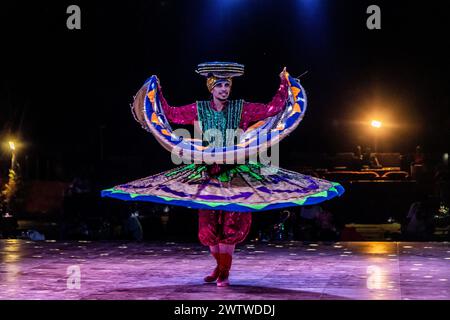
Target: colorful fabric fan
[
  {"x": 259, "y": 137},
  {"x": 243, "y": 186}
]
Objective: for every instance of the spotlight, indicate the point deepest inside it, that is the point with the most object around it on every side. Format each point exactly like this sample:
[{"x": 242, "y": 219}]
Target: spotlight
[
  {"x": 12, "y": 145},
  {"x": 376, "y": 124}
]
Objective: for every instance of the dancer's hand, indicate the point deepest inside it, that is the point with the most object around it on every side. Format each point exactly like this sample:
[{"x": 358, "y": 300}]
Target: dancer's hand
[
  {"x": 157, "y": 82},
  {"x": 283, "y": 74}
]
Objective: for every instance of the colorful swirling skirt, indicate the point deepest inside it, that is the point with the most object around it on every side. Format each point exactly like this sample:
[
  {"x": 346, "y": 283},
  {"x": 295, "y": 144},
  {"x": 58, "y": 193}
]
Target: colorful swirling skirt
[{"x": 244, "y": 188}]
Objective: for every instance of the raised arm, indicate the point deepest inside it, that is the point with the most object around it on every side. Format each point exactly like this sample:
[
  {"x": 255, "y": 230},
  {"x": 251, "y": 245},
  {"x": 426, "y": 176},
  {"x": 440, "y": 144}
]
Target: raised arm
[
  {"x": 252, "y": 112},
  {"x": 179, "y": 115}
]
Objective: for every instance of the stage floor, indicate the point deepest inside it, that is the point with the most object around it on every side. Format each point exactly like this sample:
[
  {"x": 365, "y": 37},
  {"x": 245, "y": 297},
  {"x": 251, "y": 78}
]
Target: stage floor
[{"x": 168, "y": 270}]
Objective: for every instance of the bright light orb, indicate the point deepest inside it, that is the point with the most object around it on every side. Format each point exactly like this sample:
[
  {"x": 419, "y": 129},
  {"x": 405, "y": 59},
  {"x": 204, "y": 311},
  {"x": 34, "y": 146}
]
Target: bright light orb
[
  {"x": 376, "y": 124},
  {"x": 12, "y": 145}
]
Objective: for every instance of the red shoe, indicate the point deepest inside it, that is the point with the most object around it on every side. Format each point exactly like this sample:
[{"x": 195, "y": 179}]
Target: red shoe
[
  {"x": 215, "y": 274},
  {"x": 222, "y": 280},
  {"x": 224, "y": 270}
]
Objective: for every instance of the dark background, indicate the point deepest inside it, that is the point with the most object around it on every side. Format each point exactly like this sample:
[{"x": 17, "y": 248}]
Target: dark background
[{"x": 66, "y": 93}]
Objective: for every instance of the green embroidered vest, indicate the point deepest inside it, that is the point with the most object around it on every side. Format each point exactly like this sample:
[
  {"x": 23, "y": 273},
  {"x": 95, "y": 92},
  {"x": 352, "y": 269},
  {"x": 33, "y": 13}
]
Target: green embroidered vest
[{"x": 228, "y": 118}]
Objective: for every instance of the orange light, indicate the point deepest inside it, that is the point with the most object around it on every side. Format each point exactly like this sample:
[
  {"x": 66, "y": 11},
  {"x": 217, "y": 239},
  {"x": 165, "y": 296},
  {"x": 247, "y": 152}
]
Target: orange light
[
  {"x": 376, "y": 124},
  {"x": 12, "y": 145}
]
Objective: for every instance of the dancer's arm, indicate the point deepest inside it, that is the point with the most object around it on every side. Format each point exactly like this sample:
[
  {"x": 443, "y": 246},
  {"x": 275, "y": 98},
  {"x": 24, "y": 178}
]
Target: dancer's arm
[
  {"x": 179, "y": 115},
  {"x": 252, "y": 112}
]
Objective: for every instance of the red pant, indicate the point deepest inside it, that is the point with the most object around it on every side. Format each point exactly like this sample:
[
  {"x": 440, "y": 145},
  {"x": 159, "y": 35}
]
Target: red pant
[{"x": 217, "y": 226}]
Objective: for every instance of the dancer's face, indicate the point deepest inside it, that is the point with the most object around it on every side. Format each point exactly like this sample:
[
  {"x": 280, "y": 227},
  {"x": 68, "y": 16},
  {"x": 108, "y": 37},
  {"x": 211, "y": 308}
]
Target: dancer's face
[{"x": 221, "y": 91}]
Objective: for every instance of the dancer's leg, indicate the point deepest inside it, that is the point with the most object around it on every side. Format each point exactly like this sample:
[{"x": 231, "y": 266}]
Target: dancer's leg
[
  {"x": 236, "y": 226},
  {"x": 226, "y": 258},
  {"x": 208, "y": 234},
  {"x": 215, "y": 274}
]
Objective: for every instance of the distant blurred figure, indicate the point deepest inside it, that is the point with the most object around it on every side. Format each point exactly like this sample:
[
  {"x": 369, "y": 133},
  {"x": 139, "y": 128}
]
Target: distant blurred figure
[
  {"x": 79, "y": 185},
  {"x": 326, "y": 229},
  {"x": 357, "y": 160},
  {"x": 133, "y": 227},
  {"x": 420, "y": 220},
  {"x": 316, "y": 224},
  {"x": 417, "y": 167},
  {"x": 419, "y": 156},
  {"x": 370, "y": 159}
]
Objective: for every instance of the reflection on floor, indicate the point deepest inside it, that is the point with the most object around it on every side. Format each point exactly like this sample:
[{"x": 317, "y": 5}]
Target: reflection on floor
[{"x": 289, "y": 270}]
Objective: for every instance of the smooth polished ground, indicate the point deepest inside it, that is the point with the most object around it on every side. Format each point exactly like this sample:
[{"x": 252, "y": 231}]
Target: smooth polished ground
[{"x": 289, "y": 270}]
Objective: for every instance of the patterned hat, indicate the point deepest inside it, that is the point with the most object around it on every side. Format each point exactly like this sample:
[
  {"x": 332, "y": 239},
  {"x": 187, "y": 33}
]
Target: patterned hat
[{"x": 220, "y": 69}]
